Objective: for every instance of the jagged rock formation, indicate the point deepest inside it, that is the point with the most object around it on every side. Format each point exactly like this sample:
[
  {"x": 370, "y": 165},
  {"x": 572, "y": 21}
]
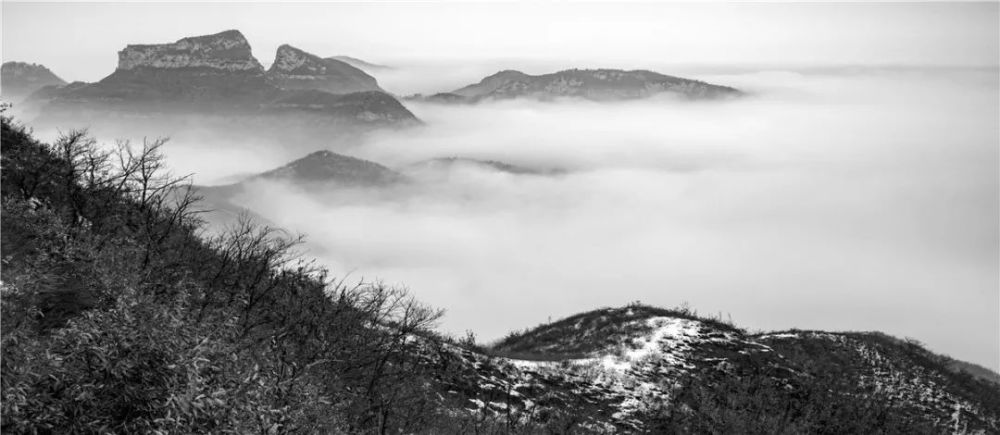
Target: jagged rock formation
[
  {"x": 596, "y": 84},
  {"x": 20, "y": 79},
  {"x": 194, "y": 73},
  {"x": 225, "y": 51},
  {"x": 297, "y": 69},
  {"x": 214, "y": 81}
]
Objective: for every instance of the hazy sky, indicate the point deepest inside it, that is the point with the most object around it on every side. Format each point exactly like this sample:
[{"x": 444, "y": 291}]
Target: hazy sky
[{"x": 79, "y": 41}]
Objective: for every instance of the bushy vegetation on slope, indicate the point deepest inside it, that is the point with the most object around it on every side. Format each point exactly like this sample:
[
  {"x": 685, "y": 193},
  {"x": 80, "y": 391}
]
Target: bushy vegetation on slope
[
  {"x": 119, "y": 317},
  {"x": 761, "y": 400}
]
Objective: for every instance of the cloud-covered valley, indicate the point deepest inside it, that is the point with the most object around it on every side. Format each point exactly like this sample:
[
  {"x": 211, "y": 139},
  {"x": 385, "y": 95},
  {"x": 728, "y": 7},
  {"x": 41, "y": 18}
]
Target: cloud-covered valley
[{"x": 862, "y": 200}]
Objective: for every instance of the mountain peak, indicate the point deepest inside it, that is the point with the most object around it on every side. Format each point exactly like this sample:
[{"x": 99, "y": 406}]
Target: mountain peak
[
  {"x": 598, "y": 331},
  {"x": 20, "y": 79},
  {"x": 506, "y": 74},
  {"x": 295, "y": 68},
  {"x": 492, "y": 83},
  {"x": 228, "y": 50},
  {"x": 327, "y": 166},
  {"x": 290, "y": 59}
]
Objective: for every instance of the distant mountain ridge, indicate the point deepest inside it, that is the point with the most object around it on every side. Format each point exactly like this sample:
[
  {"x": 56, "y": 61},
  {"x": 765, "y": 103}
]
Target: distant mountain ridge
[
  {"x": 227, "y": 51},
  {"x": 592, "y": 84},
  {"x": 361, "y": 64},
  {"x": 317, "y": 172},
  {"x": 215, "y": 80},
  {"x": 20, "y": 79},
  {"x": 330, "y": 167},
  {"x": 449, "y": 162},
  {"x": 325, "y": 171}
]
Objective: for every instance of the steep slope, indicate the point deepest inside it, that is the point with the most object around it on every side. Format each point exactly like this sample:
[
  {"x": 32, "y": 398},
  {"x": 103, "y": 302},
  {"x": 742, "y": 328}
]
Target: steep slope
[
  {"x": 595, "y": 84},
  {"x": 119, "y": 316},
  {"x": 297, "y": 69},
  {"x": 20, "y": 79}
]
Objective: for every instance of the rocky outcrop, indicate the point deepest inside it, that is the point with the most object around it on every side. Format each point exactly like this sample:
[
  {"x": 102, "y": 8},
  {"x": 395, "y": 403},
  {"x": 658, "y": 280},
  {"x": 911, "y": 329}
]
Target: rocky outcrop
[
  {"x": 226, "y": 51},
  {"x": 296, "y": 69},
  {"x": 215, "y": 82},
  {"x": 20, "y": 79},
  {"x": 210, "y": 72},
  {"x": 595, "y": 84}
]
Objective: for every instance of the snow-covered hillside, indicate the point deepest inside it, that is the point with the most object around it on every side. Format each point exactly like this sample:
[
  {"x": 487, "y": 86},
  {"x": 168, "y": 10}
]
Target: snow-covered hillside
[{"x": 615, "y": 370}]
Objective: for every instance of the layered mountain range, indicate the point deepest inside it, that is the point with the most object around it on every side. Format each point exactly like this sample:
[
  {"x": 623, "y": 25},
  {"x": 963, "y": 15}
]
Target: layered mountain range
[
  {"x": 592, "y": 84},
  {"x": 327, "y": 172},
  {"x": 215, "y": 80}
]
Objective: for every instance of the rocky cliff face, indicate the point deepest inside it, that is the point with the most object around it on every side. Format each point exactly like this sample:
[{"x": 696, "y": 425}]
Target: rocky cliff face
[
  {"x": 226, "y": 51},
  {"x": 215, "y": 82},
  {"x": 193, "y": 74},
  {"x": 20, "y": 79},
  {"x": 296, "y": 69},
  {"x": 596, "y": 84}
]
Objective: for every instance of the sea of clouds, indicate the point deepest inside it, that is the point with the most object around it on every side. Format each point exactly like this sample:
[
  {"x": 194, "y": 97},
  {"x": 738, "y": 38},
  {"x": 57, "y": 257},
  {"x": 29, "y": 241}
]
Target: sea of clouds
[{"x": 841, "y": 199}]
